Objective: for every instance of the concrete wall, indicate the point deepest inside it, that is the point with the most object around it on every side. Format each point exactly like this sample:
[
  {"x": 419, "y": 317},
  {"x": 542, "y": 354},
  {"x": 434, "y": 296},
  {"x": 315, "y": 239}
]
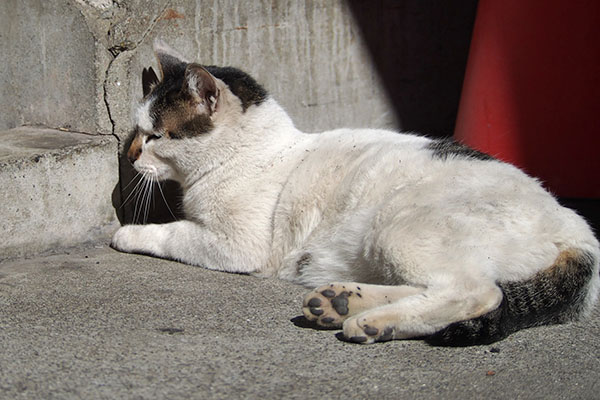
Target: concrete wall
[{"x": 76, "y": 64}]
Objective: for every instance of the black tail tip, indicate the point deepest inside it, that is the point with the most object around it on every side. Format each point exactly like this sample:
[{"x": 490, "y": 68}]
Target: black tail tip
[{"x": 459, "y": 335}]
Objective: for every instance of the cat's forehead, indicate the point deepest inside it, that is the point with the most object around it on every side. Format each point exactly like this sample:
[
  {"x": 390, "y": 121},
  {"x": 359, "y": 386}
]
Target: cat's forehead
[
  {"x": 143, "y": 118},
  {"x": 164, "y": 97},
  {"x": 172, "y": 115}
]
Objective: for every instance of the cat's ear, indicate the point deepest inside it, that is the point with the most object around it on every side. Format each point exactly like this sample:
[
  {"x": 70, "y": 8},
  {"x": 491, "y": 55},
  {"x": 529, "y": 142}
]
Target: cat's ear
[
  {"x": 169, "y": 60},
  {"x": 149, "y": 80},
  {"x": 202, "y": 86}
]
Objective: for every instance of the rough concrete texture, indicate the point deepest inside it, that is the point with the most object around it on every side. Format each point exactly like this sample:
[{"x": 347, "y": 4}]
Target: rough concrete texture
[
  {"x": 56, "y": 189},
  {"x": 48, "y": 67},
  {"x": 100, "y": 324}
]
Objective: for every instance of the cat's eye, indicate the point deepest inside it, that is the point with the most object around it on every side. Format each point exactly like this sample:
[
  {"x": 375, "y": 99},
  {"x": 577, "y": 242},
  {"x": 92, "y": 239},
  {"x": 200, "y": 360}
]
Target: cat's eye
[{"x": 152, "y": 137}]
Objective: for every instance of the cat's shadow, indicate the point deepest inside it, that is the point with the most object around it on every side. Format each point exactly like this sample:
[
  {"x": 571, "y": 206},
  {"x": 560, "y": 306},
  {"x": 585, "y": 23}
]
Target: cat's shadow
[{"x": 301, "y": 322}]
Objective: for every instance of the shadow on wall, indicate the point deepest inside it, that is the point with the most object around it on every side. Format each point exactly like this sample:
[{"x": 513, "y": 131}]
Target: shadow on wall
[{"x": 420, "y": 50}]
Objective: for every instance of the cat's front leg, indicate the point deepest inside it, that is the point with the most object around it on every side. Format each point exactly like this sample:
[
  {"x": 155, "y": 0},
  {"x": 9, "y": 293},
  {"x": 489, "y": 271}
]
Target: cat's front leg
[{"x": 188, "y": 242}]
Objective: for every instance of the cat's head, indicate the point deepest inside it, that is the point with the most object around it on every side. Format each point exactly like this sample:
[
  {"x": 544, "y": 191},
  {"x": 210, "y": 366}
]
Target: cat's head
[{"x": 184, "y": 108}]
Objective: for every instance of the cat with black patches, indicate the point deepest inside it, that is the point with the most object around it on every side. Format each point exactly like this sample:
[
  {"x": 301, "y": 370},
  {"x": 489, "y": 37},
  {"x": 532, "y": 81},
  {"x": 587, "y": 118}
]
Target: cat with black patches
[{"x": 400, "y": 235}]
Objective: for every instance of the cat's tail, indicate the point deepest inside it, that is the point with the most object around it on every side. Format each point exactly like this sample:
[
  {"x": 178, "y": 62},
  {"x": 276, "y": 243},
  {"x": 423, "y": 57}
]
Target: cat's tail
[{"x": 561, "y": 293}]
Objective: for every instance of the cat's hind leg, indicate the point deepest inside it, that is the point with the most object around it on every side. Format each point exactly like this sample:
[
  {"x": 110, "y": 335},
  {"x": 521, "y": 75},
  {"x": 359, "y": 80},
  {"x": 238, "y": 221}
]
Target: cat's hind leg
[
  {"x": 422, "y": 314},
  {"x": 330, "y": 305}
]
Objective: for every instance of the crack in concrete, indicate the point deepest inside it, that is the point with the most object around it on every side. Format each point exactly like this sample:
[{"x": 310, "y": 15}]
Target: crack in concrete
[
  {"x": 116, "y": 51},
  {"x": 106, "y": 102},
  {"x": 61, "y": 128}
]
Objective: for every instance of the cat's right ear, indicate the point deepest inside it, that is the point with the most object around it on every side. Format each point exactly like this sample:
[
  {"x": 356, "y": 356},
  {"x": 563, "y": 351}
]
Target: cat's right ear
[
  {"x": 149, "y": 80},
  {"x": 169, "y": 60},
  {"x": 202, "y": 87}
]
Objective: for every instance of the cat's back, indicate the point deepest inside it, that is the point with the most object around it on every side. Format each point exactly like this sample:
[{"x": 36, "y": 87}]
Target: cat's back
[{"x": 430, "y": 188}]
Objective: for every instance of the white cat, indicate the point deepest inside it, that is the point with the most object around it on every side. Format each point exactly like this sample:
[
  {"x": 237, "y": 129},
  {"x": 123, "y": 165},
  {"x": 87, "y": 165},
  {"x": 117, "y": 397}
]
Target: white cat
[{"x": 433, "y": 239}]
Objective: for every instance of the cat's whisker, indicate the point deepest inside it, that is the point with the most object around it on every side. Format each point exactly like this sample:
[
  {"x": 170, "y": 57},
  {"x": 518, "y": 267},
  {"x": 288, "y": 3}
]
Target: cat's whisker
[
  {"x": 154, "y": 182},
  {"x": 140, "y": 197},
  {"x": 149, "y": 197},
  {"x": 134, "y": 190},
  {"x": 137, "y": 202},
  {"x": 136, "y": 176},
  {"x": 165, "y": 200},
  {"x": 142, "y": 211}
]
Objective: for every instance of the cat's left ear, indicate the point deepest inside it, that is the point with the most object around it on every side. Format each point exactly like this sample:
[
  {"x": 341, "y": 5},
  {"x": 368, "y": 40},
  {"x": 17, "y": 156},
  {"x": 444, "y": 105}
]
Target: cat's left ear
[
  {"x": 202, "y": 86},
  {"x": 149, "y": 80}
]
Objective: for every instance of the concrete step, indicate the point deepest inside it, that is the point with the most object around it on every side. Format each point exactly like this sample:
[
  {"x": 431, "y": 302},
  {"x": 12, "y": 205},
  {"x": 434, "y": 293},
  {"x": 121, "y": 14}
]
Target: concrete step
[{"x": 56, "y": 189}]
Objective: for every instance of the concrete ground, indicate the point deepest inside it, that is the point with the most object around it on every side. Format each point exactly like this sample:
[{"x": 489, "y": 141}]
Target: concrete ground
[{"x": 96, "y": 323}]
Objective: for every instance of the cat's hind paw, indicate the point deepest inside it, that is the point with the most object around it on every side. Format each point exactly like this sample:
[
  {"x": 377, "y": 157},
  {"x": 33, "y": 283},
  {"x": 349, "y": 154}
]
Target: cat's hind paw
[{"x": 332, "y": 304}]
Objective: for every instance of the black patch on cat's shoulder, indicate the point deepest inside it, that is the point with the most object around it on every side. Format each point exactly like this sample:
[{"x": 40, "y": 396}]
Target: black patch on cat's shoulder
[
  {"x": 241, "y": 84},
  {"x": 445, "y": 148}
]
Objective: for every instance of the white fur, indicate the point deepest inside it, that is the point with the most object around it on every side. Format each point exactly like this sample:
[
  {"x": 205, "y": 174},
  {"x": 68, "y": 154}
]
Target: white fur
[
  {"x": 143, "y": 118},
  {"x": 365, "y": 205}
]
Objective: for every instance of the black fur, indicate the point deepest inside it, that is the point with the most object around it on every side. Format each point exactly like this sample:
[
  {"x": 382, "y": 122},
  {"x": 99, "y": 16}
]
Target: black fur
[
  {"x": 552, "y": 296},
  {"x": 149, "y": 80},
  {"x": 445, "y": 148},
  {"x": 170, "y": 65},
  {"x": 166, "y": 93},
  {"x": 194, "y": 127},
  {"x": 241, "y": 84}
]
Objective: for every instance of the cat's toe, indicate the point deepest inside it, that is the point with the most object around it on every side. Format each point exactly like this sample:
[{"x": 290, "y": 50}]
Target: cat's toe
[
  {"x": 316, "y": 307},
  {"x": 363, "y": 330},
  {"x": 329, "y": 305}
]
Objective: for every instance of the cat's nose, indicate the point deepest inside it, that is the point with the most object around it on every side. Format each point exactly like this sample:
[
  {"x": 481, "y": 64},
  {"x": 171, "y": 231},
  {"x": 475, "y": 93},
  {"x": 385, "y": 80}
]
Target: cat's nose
[{"x": 134, "y": 153}]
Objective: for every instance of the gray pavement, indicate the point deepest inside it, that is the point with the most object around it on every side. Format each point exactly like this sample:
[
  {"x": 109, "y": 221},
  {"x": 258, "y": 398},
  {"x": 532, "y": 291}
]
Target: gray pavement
[{"x": 96, "y": 323}]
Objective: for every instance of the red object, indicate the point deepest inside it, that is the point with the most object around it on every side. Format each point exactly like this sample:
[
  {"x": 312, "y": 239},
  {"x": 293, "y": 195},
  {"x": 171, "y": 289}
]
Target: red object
[{"x": 531, "y": 94}]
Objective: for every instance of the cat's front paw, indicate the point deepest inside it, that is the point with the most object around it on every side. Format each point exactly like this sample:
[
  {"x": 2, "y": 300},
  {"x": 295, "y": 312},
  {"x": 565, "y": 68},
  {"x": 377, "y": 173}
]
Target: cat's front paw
[
  {"x": 124, "y": 239},
  {"x": 143, "y": 239},
  {"x": 369, "y": 327}
]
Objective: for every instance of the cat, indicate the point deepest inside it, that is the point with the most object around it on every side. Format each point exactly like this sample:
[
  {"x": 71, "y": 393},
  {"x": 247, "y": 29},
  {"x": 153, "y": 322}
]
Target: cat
[{"x": 401, "y": 236}]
